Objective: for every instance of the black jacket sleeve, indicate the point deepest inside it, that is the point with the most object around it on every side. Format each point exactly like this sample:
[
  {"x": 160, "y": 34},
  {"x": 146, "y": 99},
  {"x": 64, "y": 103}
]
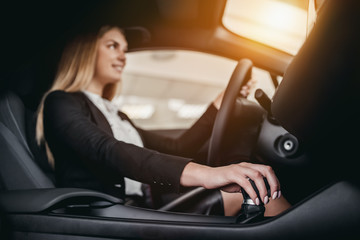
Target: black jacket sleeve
[
  {"x": 70, "y": 133},
  {"x": 188, "y": 143}
]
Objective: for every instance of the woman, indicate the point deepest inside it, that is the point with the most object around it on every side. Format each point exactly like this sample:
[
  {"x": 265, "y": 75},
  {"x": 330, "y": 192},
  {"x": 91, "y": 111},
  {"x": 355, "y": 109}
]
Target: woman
[{"x": 95, "y": 146}]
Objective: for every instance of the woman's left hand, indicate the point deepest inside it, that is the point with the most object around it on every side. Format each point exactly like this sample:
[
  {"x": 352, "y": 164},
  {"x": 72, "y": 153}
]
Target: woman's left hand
[{"x": 244, "y": 92}]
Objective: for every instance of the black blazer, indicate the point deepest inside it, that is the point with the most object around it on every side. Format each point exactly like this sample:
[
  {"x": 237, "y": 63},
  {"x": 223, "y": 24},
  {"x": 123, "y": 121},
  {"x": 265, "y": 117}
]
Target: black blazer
[{"x": 88, "y": 156}]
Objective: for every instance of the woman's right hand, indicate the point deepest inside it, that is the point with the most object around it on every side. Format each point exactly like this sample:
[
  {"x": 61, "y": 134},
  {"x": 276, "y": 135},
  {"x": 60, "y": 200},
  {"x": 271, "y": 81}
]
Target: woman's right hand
[{"x": 232, "y": 177}]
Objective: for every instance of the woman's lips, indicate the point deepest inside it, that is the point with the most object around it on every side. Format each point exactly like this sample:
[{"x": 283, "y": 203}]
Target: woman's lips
[{"x": 118, "y": 67}]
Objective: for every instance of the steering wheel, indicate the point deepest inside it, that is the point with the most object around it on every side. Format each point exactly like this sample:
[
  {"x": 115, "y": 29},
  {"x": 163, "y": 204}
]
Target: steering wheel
[{"x": 240, "y": 76}]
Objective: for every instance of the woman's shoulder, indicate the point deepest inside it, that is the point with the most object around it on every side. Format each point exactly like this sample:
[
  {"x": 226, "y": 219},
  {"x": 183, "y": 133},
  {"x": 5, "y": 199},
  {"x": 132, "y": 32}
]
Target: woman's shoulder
[
  {"x": 61, "y": 94},
  {"x": 63, "y": 97},
  {"x": 65, "y": 94}
]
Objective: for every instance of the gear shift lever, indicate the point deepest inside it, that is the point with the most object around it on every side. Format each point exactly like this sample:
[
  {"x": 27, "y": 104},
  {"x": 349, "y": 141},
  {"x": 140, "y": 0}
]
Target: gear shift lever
[{"x": 249, "y": 210}]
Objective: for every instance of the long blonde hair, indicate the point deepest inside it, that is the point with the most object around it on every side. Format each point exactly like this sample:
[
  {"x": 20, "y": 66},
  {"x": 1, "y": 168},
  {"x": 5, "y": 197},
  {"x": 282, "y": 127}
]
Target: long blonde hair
[{"x": 75, "y": 72}]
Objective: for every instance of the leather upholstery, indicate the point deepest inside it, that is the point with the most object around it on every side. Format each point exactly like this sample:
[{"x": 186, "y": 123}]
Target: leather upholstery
[{"x": 19, "y": 169}]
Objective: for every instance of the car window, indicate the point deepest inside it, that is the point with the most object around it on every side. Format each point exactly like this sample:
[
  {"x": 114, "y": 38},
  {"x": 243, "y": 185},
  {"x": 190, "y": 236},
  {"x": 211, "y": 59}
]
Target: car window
[
  {"x": 281, "y": 24},
  {"x": 170, "y": 89}
]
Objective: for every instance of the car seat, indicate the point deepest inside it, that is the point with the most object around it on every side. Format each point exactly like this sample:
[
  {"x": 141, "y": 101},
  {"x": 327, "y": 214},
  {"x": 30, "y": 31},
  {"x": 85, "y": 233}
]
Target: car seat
[{"x": 19, "y": 158}]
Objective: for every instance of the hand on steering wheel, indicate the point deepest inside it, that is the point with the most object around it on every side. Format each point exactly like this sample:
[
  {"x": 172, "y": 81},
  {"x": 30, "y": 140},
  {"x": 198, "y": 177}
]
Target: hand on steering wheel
[{"x": 244, "y": 92}]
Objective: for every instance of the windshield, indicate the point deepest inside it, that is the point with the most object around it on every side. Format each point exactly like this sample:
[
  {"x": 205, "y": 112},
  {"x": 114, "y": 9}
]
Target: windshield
[{"x": 281, "y": 24}]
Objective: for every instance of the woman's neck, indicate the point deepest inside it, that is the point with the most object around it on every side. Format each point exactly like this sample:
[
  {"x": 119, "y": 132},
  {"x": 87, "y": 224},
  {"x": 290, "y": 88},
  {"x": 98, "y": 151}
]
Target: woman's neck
[{"x": 95, "y": 87}]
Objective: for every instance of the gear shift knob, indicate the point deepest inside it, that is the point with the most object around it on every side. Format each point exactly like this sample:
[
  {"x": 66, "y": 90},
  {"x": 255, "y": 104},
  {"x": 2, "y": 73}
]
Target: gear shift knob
[
  {"x": 249, "y": 210},
  {"x": 246, "y": 197}
]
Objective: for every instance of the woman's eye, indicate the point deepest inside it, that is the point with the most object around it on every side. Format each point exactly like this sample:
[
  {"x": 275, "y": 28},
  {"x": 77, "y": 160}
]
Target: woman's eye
[{"x": 112, "y": 46}]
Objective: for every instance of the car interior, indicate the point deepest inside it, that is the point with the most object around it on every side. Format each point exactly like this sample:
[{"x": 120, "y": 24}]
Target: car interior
[{"x": 307, "y": 131}]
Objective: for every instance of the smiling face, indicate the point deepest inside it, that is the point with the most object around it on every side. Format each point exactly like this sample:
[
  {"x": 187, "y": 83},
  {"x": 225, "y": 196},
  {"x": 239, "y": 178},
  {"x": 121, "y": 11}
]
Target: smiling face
[{"x": 110, "y": 60}]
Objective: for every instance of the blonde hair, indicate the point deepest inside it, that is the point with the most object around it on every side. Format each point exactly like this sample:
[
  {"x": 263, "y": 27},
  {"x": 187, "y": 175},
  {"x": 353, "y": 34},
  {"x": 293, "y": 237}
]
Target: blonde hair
[{"x": 75, "y": 72}]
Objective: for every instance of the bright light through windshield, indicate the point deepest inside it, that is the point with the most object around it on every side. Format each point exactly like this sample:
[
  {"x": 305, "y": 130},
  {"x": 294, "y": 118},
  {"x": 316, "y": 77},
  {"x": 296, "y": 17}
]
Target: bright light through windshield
[{"x": 272, "y": 22}]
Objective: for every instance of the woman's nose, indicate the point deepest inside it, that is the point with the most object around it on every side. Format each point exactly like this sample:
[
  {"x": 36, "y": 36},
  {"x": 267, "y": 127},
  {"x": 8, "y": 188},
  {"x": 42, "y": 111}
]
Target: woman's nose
[{"x": 121, "y": 55}]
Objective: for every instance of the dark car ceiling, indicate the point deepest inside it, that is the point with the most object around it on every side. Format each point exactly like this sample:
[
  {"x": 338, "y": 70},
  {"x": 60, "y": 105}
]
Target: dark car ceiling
[
  {"x": 32, "y": 26},
  {"x": 34, "y": 34}
]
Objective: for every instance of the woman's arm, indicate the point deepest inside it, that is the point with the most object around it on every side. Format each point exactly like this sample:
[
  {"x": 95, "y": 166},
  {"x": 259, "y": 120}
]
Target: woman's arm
[
  {"x": 189, "y": 143},
  {"x": 72, "y": 136},
  {"x": 230, "y": 178}
]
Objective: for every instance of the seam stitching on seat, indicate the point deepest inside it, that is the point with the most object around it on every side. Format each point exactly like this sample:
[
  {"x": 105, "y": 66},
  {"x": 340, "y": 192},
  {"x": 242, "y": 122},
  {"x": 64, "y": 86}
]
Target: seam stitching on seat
[
  {"x": 24, "y": 165},
  {"x": 18, "y": 128}
]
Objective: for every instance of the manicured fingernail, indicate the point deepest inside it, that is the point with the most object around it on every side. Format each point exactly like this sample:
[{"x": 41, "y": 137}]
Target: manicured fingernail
[
  {"x": 275, "y": 195},
  {"x": 279, "y": 194},
  {"x": 266, "y": 200},
  {"x": 257, "y": 201}
]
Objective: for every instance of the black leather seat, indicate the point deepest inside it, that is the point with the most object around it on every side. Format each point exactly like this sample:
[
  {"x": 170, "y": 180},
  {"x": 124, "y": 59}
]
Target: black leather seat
[{"x": 20, "y": 166}]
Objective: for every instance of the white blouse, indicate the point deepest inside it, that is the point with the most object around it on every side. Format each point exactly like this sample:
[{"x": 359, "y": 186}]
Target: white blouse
[{"x": 122, "y": 130}]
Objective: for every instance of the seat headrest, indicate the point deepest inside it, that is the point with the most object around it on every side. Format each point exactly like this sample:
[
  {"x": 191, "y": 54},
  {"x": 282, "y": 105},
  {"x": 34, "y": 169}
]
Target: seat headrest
[{"x": 320, "y": 89}]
